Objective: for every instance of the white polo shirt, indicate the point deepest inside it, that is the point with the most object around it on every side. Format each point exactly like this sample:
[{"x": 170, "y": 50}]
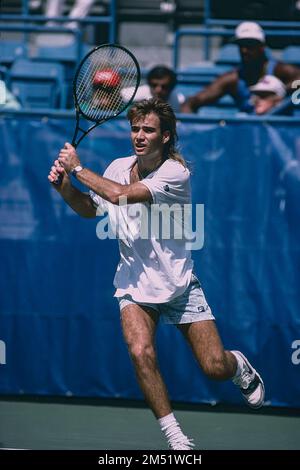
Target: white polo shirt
[{"x": 155, "y": 265}]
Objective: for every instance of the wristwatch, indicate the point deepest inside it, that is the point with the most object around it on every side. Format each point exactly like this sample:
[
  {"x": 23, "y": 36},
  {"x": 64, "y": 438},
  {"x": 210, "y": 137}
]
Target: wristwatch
[{"x": 76, "y": 170}]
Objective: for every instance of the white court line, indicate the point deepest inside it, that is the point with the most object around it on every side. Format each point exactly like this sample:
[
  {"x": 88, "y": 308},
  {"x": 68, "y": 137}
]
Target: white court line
[{"x": 10, "y": 448}]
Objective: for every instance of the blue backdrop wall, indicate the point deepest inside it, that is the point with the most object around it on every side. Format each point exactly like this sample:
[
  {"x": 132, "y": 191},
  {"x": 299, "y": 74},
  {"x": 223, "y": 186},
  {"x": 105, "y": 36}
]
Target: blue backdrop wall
[{"x": 59, "y": 323}]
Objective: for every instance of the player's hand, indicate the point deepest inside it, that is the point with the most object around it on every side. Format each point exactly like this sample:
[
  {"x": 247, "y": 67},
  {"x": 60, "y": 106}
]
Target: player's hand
[
  {"x": 58, "y": 175},
  {"x": 68, "y": 157}
]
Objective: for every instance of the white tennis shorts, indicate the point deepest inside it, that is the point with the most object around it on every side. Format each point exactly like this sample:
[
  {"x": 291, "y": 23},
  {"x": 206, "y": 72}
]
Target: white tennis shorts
[{"x": 189, "y": 307}]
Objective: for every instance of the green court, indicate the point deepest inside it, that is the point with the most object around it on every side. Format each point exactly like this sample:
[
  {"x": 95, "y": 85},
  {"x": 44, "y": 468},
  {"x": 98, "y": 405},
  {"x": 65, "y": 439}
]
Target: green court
[{"x": 80, "y": 424}]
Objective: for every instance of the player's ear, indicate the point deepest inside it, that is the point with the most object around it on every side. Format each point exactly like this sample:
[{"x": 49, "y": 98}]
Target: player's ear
[{"x": 166, "y": 137}]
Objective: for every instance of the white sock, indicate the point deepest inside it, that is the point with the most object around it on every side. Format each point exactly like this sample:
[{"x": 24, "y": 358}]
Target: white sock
[
  {"x": 166, "y": 421},
  {"x": 170, "y": 427},
  {"x": 238, "y": 366}
]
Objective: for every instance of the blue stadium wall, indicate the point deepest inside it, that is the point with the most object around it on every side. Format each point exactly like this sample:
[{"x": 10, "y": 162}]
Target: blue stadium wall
[{"x": 59, "y": 323}]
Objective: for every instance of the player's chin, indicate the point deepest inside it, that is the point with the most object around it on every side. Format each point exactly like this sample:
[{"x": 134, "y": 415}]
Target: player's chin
[{"x": 140, "y": 150}]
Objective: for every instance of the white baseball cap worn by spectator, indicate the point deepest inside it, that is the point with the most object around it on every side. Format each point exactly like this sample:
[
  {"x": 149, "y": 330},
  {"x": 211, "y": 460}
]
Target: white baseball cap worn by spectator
[
  {"x": 249, "y": 31},
  {"x": 269, "y": 84}
]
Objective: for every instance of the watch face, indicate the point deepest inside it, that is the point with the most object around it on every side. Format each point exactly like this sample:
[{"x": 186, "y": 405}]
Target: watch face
[{"x": 76, "y": 170}]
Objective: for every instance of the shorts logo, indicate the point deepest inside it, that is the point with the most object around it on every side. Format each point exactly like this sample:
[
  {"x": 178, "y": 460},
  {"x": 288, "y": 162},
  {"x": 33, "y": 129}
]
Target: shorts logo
[{"x": 166, "y": 188}]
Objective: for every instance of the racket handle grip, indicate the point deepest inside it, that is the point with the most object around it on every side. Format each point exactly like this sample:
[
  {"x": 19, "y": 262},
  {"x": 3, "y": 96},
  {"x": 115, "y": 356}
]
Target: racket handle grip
[{"x": 58, "y": 181}]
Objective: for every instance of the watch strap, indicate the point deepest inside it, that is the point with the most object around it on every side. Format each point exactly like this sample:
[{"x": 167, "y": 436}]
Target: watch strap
[{"x": 76, "y": 170}]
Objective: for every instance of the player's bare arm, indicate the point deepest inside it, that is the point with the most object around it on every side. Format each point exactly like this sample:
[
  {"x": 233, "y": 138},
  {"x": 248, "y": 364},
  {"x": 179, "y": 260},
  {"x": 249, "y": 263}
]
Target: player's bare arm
[
  {"x": 112, "y": 191},
  {"x": 104, "y": 187},
  {"x": 221, "y": 86},
  {"x": 77, "y": 200}
]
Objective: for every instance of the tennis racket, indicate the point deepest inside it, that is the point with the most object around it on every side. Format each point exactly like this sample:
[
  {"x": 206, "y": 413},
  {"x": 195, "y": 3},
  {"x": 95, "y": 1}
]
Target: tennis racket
[{"x": 104, "y": 85}]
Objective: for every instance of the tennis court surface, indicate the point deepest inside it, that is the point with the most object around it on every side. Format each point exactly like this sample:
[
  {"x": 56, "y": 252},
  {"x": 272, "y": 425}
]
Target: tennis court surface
[{"x": 43, "y": 423}]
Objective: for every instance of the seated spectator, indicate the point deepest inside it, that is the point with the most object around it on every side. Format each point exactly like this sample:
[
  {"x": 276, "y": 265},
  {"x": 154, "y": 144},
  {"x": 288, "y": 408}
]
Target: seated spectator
[
  {"x": 161, "y": 83},
  {"x": 255, "y": 64},
  {"x": 104, "y": 98},
  {"x": 268, "y": 92},
  {"x": 7, "y": 99},
  {"x": 106, "y": 94}
]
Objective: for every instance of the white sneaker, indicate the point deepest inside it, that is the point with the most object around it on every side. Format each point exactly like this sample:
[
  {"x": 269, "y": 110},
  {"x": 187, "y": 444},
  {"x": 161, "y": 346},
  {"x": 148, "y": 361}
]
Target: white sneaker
[
  {"x": 181, "y": 443},
  {"x": 249, "y": 382}
]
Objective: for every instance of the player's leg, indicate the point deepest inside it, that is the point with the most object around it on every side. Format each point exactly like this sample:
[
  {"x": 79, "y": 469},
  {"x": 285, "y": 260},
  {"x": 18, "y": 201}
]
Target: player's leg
[
  {"x": 208, "y": 349},
  {"x": 139, "y": 326},
  {"x": 193, "y": 316},
  {"x": 219, "y": 364}
]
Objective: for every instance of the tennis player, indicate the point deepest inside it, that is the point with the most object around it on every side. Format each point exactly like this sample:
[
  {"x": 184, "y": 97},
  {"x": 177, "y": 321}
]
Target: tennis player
[{"x": 155, "y": 278}]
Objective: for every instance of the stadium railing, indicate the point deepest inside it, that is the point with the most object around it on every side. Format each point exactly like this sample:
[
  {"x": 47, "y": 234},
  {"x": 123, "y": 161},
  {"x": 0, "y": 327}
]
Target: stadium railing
[
  {"x": 242, "y": 117},
  {"x": 27, "y": 17},
  {"x": 29, "y": 28}
]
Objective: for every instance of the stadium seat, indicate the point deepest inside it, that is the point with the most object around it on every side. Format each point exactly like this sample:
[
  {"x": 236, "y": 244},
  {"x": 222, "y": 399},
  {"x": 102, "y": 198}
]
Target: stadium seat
[
  {"x": 38, "y": 84},
  {"x": 67, "y": 56},
  {"x": 187, "y": 89},
  {"x": 217, "y": 111},
  {"x": 10, "y": 50},
  {"x": 58, "y": 53},
  {"x": 227, "y": 101},
  {"x": 291, "y": 55},
  {"x": 205, "y": 68},
  {"x": 228, "y": 54},
  {"x": 201, "y": 74}
]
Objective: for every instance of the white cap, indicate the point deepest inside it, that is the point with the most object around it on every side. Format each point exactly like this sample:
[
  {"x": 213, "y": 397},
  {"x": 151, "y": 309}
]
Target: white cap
[
  {"x": 271, "y": 84},
  {"x": 249, "y": 30}
]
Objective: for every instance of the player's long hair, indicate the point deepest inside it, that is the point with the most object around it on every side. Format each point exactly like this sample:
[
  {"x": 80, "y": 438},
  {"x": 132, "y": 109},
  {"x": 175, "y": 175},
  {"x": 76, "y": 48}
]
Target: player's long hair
[{"x": 167, "y": 123}]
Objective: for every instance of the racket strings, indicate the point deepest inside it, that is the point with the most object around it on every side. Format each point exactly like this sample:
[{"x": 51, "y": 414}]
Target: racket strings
[{"x": 106, "y": 82}]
